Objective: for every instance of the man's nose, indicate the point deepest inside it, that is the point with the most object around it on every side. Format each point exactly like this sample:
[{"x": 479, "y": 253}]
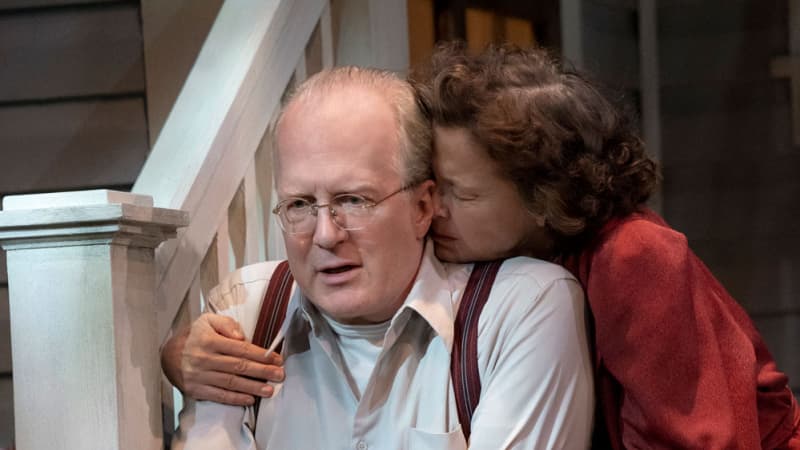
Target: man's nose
[{"x": 327, "y": 234}]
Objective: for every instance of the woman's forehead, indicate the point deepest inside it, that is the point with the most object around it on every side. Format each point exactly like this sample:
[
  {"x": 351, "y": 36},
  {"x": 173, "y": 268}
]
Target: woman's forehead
[{"x": 460, "y": 160}]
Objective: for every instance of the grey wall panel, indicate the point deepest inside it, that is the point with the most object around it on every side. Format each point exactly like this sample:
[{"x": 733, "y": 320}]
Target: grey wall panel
[
  {"x": 67, "y": 53},
  {"x": 618, "y": 20},
  {"x": 750, "y": 134},
  {"x": 782, "y": 335},
  {"x": 763, "y": 274},
  {"x": 6, "y": 412},
  {"x": 610, "y": 46},
  {"x": 686, "y": 60},
  {"x": 613, "y": 60},
  {"x": 3, "y": 270},
  {"x": 629, "y": 4},
  {"x": 5, "y": 332},
  {"x": 727, "y": 202},
  {"x": 732, "y": 174},
  {"x": 72, "y": 145},
  {"x": 20, "y": 4},
  {"x": 724, "y": 96},
  {"x": 711, "y": 17}
]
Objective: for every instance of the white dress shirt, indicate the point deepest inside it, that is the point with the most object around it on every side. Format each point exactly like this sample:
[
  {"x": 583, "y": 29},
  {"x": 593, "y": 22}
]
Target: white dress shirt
[{"x": 533, "y": 360}]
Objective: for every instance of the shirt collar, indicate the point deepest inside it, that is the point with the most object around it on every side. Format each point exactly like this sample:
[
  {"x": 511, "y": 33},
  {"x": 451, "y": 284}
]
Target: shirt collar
[{"x": 431, "y": 297}]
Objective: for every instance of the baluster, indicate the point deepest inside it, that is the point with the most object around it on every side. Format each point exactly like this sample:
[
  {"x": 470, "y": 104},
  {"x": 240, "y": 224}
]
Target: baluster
[
  {"x": 252, "y": 215},
  {"x": 263, "y": 175},
  {"x": 300, "y": 72},
  {"x": 272, "y": 231},
  {"x": 216, "y": 264},
  {"x": 326, "y": 37},
  {"x": 237, "y": 223},
  {"x": 313, "y": 53}
]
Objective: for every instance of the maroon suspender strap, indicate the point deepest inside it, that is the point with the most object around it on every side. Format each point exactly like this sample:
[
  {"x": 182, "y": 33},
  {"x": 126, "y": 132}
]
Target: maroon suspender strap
[
  {"x": 273, "y": 310},
  {"x": 273, "y": 307},
  {"x": 464, "y": 358}
]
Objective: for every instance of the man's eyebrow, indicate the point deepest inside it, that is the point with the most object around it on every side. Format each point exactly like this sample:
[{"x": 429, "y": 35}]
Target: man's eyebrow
[
  {"x": 292, "y": 193},
  {"x": 360, "y": 188}
]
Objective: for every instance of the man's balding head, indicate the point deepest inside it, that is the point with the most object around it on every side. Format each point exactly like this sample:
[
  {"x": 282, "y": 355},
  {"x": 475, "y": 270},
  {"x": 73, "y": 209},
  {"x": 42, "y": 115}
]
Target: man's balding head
[{"x": 414, "y": 161}]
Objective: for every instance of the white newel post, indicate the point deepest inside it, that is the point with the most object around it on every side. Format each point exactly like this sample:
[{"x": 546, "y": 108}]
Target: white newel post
[{"x": 83, "y": 326}]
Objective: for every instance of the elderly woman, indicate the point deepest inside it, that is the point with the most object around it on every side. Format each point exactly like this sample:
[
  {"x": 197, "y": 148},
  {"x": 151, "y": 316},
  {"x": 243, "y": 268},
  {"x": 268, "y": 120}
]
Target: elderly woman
[{"x": 532, "y": 160}]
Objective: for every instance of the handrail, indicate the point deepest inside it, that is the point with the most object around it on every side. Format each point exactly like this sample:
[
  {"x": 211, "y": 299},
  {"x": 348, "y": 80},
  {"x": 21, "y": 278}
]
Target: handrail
[{"x": 211, "y": 135}]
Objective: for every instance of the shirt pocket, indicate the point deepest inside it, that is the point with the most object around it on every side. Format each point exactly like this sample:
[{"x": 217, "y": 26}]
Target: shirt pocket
[{"x": 425, "y": 440}]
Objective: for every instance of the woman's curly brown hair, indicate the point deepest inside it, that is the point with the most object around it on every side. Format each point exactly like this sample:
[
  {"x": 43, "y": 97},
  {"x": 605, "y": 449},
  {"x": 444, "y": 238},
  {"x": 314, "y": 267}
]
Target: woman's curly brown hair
[{"x": 572, "y": 155}]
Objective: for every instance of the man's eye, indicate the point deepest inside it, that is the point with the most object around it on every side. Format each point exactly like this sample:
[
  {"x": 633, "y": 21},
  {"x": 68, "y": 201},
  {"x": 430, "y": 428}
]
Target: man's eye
[
  {"x": 351, "y": 201},
  {"x": 297, "y": 204}
]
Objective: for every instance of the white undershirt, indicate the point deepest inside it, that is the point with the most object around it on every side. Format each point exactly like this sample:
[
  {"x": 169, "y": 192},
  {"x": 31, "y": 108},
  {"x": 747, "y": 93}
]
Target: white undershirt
[{"x": 360, "y": 346}]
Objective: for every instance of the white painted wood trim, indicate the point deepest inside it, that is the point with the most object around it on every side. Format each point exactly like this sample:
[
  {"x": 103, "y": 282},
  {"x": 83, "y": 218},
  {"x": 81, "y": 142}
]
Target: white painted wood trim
[
  {"x": 187, "y": 149},
  {"x": 276, "y": 248},
  {"x": 225, "y": 263},
  {"x": 194, "y": 300},
  {"x": 263, "y": 162},
  {"x": 88, "y": 225},
  {"x": 208, "y": 273},
  {"x": 77, "y": 198},
  {"x": 237, "y": 227},
  {"x": 252, "y": 216},
  {"x": 101, "y": 334},
  {"x": 218, "y": 120}
]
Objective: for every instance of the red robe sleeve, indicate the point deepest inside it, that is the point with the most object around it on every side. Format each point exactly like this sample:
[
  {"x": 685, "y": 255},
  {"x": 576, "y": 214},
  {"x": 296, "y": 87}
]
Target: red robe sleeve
[{"x": 693, "y": 370}]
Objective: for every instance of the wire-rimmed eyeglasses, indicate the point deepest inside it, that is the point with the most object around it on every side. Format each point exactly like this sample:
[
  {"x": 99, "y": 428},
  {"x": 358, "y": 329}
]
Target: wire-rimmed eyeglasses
[{"x": 348, "y": 211}]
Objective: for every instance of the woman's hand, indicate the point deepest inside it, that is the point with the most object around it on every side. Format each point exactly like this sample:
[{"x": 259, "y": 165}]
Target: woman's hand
[{"x": 211, "y": 360}]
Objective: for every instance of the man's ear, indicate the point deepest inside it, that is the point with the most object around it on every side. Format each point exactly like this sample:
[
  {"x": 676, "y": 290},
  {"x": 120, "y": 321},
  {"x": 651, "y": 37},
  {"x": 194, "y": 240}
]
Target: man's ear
[{"x": 424, "y": 207}]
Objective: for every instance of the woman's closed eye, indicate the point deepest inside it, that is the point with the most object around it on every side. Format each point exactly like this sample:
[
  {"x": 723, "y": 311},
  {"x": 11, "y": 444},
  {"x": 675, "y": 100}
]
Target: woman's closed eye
[{"x": 461, "y": 194}]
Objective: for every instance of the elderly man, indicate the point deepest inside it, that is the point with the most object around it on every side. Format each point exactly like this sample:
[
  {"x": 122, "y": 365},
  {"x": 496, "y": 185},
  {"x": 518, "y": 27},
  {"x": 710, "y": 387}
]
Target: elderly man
[{"x": 369, "y": 328}]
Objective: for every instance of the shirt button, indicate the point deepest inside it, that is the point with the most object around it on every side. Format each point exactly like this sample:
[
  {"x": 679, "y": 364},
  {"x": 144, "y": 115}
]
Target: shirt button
[{"x": 361, "y": 445}]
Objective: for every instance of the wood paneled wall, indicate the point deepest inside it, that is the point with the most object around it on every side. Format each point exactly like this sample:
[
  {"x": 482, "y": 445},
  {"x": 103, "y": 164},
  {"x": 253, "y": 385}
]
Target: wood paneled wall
[
  {"x": 72, "y": 101},
  {"x": 72, "y": 113}
]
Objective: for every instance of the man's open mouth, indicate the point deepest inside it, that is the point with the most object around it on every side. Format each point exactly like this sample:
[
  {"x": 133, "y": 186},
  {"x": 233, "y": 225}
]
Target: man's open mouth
[{"x": 341, "y": 269}]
